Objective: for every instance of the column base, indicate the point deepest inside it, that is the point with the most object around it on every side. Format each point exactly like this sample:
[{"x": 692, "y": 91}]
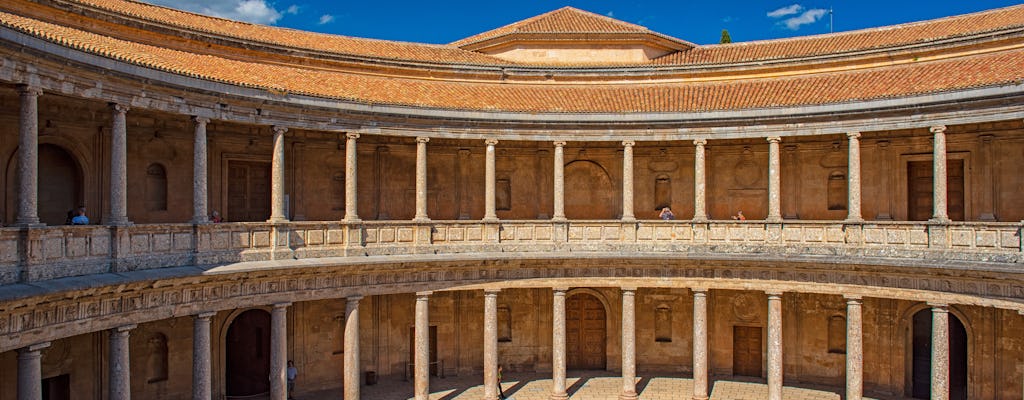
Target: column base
[
  {"x": 491, "y": 219},
  {"x": 559, "y": 219},
  {"x": 700, "y": 397},
  {"x": 700, "y": 219},
  {"x": 559, "y": 397},
  {"x": 628, "y": 219},
  {"x": 420, "y": 220},
  {"x": 940, "y": 220},
  {"x": 35, "y": 224},
  {"x": 774, "y": 219},
  {"x": 120, "y": 223},
  {"x": 628, "y": 396},
  {"x": 278, "y": 220},
  {"x": 855, "y": 220},
  {"x": 352, "y": 220}
]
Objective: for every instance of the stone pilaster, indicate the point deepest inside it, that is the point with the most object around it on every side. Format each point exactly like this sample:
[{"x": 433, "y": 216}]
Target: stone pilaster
[
  {"x": 421, "y": 360},
  {"x": 775, "y": 346},
  {"x": 558, "y": 346},
  {"x": 854, "y": 349},
  {"x": 421, "y": 179},
  {"x": 28, "y": 156},
  {"x": 490, "y": 344},
  {"x": 700, "y": 344},
  {"x": 700, "y": 212},
  {"x": 351, "y": 189},
  {"x": 352, "y": 353},
  {"x": 627, "y": 180},
  {"x": 118, "y": 214},
  {"x": 120, "y": 364},
  {"x": 202, "y": 375},
  {"x": 774, "y": 180},
  {"x": 277, "y": 211},
  {"x": 559, "y": 212},
  {"x": 988, "y": 192},
  {"x": 490, "y": 214},
  {"x": 940, "y": 352},
  {"x": 939, "y": 183},
  {"x": 30, "y": 374},
  {"x": 853, "y": 188},
  {"x": 199, "y": 171},
  {"x": 279, "y": 351},
  {"x": 628, "y": 344}
]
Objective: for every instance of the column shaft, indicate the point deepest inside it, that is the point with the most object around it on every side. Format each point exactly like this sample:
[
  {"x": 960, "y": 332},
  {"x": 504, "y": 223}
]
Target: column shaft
[
  {"x": 352, "y": 350},
  {"x": 774, "y": 346},
  {"x": 774, "y": 181},
  {"x": 939, "y": 184},
  {"x": 940, "y": 352},
  {"x": 120, "y": 364},
  {"x": 421, "y": 362},
  {"x": 351, "y": 189},
  {"x": 490, "y": 214},
  {"x": 627, "y": 180},
  {"x": 628, "y": 344},
  {"x": 277, "y": 211},
  {"x": 201, "y": 370},
  {"x": 699, "y": 182},
  {"x": 279, "y": 351},
  {"x": 853, "y": 188},
  {"x": 30, "y": 375},
  {"x": 558, "y": 346},
  {"x": 28, "y": 156},
  {"x": 854, "y": 349},
  {"x": 199, "y": 171},
  {"x": 559, "y": 212},
  {"x": 118, "y": 166},
  {"x": 700, "y": 344},
  {"x": 421, "y": 179},
  {"x": 490, "y": 344}
]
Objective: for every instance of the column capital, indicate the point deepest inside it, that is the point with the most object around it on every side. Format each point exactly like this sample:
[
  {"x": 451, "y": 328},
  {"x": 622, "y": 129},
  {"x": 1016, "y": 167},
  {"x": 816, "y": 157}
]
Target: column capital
[
  {"x": 560, "y": 290},
  {"x": 629, "y": 290},
  {"x": 422, "y": 139},
  {"x": 279, "y": 129},
  {"x": 118, "y": 107},
  {"x": 123, "y": 328},
  {"x": 282, "y": 305},
  {"x": 205, "y": 315},
  {"x": 423, "y": 295},
  {"x": 853, "y": 135},
  {"x": 490, "y": 142},
  {"x": 352, "y": 135},
  {"x": 937, "y": 129},
  {"x": 491, "y": 292},
  {"x": 774, "y": 294},
  {"x": 853, "y": 299},
  {"x": 560, "y": 144},
  {"x": 938, "y": 306},
  {"x": 30, "y": 90},
  {"x": 34, "y": 347},
  {"x": 1021, "y": 311},
  {"x": 774, "y": 139},
  {"x": 700, "y": 142},
  {"x": 355, "y": 298},
  {"x": 701, "y": 291},
  {"x": 200, "y": 120},
  {"x": 628, "y": 143}
]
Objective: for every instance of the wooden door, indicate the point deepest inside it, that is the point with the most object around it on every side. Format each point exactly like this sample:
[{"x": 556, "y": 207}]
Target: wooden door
[
  {"x": 920, "y": 194},
  {"x": 433, "y": 349},
  {"x": 746, "y": 351},
  {"x": 585, "y": 331},
  {"x": 248, "y": 191}
]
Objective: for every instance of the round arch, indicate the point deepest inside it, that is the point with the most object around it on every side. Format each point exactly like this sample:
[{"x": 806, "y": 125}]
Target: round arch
[
  {"x": 245, "y": 353},
  {"x": 590, "y": 192},
  {"x": 86, "y": 181},
  {"x": 909, "y": 329},
  {"x": 609, "y": 325}
]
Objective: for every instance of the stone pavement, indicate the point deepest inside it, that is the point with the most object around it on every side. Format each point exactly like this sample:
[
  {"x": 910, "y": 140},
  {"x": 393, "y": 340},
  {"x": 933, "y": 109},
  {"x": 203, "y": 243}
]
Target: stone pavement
[{"x": 588, "y": 385}]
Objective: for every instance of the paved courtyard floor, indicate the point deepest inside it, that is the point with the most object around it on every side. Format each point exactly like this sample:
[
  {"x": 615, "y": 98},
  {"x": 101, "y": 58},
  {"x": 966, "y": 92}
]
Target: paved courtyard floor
[{"x": 588, "y": 385}]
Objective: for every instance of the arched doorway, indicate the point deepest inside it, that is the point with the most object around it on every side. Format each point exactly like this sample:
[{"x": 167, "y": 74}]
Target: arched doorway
[
  {"x": 922, "y": 356},
  {"x": 59, "y": 184},
  {"x": 585, "y": 332},
  {"x": 589, "y": 193},
  {"x": 248, "y": 354}
]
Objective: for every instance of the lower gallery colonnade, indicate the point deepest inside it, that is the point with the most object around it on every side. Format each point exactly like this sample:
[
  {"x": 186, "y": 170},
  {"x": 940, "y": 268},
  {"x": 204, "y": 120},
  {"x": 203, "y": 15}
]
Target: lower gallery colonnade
[{"x": 120, "y": 367}]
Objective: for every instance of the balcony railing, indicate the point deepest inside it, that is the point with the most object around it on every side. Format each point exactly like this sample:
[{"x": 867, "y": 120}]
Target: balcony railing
[{"x": 35, "y": 254}]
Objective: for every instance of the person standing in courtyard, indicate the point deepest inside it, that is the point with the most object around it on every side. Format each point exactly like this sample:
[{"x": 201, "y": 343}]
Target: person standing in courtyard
[{"x": 292, "y": 373}]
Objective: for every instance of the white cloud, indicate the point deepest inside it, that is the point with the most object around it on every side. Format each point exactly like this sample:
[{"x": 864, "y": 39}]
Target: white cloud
[
  {"x": 808, "y": 17},
  {"x": 255, "y": 11},
  {"x": 292, "y": 9},
  {"x": 784, "y": 11},
  {"x": 326, "y": 19},
  {"x": 610, "y": 14}
]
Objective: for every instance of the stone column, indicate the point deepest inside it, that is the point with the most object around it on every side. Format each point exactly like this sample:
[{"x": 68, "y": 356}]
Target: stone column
[
  {"x": 490, "y": 344},
  {"x": 421, "y": 361},
  {"x": 201, "y": 370},
  {"x": 853, "y": 188},
  {"x": 775, "y": 346},
  {"x": 277, "y": 212},
  {"x": 199, "y": 171},
  {"x": 559, "y": 182},
  {"x": 120, "y": 364},
  {"x": 627, "y": 180},
  {"x": 351, "y": 190},
  {"x": 30, "y": 376},
  {"x": 352, "y": 353},
  {"x": 854, "y": 349},
  {"x": 940, "y": 351},
  {"x": 941, "y": 213},
  {"x": 774, "y": 182},
  {"x": 28, "y": 156},
  {"x": 421, "y": 179},
  {"x": 700, "y": 344},
  {"x": 700, "y": 212},
  {"x": 558, "y": 346},
  {"x": 118, "y": 166},
  {"x": 628, "y": 344},
  {"x": 279, "y": 351},
  {"x": 490, "y": 214}
]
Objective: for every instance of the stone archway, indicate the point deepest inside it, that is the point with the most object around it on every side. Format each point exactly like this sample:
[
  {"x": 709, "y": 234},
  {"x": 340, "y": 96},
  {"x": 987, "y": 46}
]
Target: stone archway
[
  {"x": 589, "y": 192},
  {"x": 247, "y": 354},
  {"x": 920, "y": 367},
  {"x": 59, "y": 183},
  {"x": 585, "y": 332}
]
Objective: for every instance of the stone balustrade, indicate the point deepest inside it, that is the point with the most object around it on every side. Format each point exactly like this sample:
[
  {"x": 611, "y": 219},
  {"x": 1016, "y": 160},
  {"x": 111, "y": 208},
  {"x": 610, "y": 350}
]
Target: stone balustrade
[{"x": 36, "y": 254}]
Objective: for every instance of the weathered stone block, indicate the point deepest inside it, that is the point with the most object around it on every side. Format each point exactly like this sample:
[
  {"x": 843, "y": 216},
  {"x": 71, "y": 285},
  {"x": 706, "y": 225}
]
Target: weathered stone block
[
  {"x": 77, "y": 247},
  {"x": 406, "y": 235},
  {"x": 8, "y": 251},
  {"x": 161, "y": 242},
  {"x": 100, "y": 245},
  {"x": 456, "y": 234},
  {"x": 53, "y": 247},
  {"x": 814, "y": 234},
  {"x": 475, "y": 233},
  {"x": 792, "y": 234},
  {"x": 315, "y": 237},
  {"x": 261, "y": 239},
  {"x": 898, "y": 236},
  {"x": 874, "y": 235},
  {"x": 962, "y": 237},
  {"x": 835, "y": 234},
  {"x": 386, "y": 235},
  {"x": 1009, "y": 239},
  {"x": 716, "y": 233},
  {"x": 525, "y": 233},
  {"x": 335, "y": 236},
  {"x": 182, "y": 241},
  {"x": 611, "y": 233},
  {"x": 139, "y": 244},
  {"x": 986, "y": 239}
]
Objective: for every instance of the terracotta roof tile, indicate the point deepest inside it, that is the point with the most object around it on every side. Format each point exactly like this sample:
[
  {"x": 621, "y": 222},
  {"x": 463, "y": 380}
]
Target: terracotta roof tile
[{"x": 562, "y": 20}]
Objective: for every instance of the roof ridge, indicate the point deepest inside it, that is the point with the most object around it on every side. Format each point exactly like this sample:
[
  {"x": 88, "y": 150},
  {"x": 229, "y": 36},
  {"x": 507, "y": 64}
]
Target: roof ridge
[
  {"x": 519, "y": 26},
  {"x": 590, "y": 14}
]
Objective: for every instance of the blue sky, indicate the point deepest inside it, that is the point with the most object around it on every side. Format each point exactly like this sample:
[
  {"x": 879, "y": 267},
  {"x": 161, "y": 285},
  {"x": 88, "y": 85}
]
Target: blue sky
[{"x": 695, "y": 21}]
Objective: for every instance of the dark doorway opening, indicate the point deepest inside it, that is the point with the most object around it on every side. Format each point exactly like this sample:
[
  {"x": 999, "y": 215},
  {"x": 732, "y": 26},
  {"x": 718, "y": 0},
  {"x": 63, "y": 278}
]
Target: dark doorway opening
[
  {"x": 920, "y": 191},
  {"x": 57, "y": 388},
  {"x": 746, "y": 351},
  {"x": 585, "y": 332},
  {"x": 922, "y": 356},
  {"x": 248, "y": 191},
  {"x": 248, "y": 354}
]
